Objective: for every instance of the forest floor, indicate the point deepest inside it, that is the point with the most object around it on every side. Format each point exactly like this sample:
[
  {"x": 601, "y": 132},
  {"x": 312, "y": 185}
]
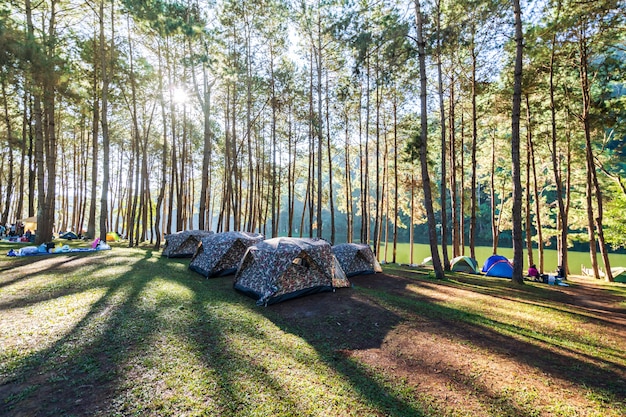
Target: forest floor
[
  {"x": 129, "y": 332},
  {"x": 478, "y": 365}
]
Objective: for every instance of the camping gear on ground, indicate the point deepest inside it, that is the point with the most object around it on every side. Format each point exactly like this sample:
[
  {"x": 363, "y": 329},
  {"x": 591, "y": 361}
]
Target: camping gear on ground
[
  {"x": 279, "y": 269},
  {"x": 220, "y": 253},
  {"x": 356, "y": 259},
  {"x": 113, "y": 237},
  {"x": 48, "y": 249},
  {"x": 28, "y": 250},
  {"x": 464, "y": 264},
  {"x": 61, "y": 249},
  {"x": 68, "y": 236},
  {"x": 183, "y": 244},
  {"x": 498, "y": 266}
]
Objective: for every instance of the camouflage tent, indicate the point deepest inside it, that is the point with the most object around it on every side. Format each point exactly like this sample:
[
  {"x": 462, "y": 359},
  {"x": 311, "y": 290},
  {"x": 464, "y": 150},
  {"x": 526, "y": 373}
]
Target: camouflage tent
[
  {"x": 282, "y": 268},
  {"x": 183, "y": 244},
  {"x": 220, "y": 253},
  {"x": 356, "y": 259}
]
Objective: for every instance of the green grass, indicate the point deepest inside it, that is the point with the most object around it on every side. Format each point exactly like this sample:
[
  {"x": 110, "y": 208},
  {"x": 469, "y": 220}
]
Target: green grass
[
  {"x": 575, "y": 259},
  {"x": 126, "y": 332}
]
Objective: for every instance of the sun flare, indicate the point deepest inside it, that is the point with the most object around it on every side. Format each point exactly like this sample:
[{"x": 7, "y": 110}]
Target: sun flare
[{"x": 179, "y": 95}]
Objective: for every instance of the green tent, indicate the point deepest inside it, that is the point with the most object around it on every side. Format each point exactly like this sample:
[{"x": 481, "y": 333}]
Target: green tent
[
  {"x": 464, "y": 264},
  {"x": 619, "y": 274}
]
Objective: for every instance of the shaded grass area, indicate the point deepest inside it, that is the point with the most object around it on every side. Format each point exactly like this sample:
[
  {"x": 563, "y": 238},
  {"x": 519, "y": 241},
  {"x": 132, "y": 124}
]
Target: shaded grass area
[
  {"x": 127, "y": 332},
  {"x": 544, "y": 326}
]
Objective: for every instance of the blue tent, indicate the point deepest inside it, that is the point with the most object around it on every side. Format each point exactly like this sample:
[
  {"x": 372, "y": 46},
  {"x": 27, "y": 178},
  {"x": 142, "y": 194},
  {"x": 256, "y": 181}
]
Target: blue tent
[
  {"x": 492, "y": 260},
  {"x": 498, "y": 266}
]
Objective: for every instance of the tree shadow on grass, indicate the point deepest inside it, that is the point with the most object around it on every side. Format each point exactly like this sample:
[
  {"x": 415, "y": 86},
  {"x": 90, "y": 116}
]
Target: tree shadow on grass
[
  {"x": 162, "y": 341},
  {"x": 72, "y": 371},
  {"x": 336, "y": 323},
  {"x": 81, "y": 272},
  {"x": 20, "y": 269},
  {"x": 557, "y": 356},
  {"x": 595, "y": 305},
  {"x": 389, "y": 296},
  {"x": 269, "y": 364}
]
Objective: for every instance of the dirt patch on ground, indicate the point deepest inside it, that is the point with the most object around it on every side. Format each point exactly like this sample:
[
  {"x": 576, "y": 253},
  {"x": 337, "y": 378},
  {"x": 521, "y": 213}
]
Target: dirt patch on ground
[{"x": 467, "y": 369}]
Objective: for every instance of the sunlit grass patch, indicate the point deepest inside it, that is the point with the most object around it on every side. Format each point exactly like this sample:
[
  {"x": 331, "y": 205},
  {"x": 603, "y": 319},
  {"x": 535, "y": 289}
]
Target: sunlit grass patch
[
  {"x": 36, "y": 327},
  {"x": 140, "y": 334}
]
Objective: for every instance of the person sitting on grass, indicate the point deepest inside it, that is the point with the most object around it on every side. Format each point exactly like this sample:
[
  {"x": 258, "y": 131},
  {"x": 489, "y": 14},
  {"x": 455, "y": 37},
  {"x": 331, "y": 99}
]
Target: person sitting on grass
[
  {"x": 533, "y": 272},
  {"x": 560, "y": 272}
]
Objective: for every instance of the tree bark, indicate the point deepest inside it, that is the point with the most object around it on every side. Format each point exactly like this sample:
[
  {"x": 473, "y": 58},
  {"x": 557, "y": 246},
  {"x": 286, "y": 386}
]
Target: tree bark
[
  {"x": 442, "y": 121},
  {"x": 518, "y": 249},
  {"x": 104, "y": 196},
  {"x": 423, "y": 149}
]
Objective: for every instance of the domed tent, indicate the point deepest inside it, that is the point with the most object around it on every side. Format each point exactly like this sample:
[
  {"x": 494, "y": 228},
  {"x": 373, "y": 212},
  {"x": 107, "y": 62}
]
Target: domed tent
[
  {"x": 498, "y": 266},
  {"x": 220, "y": 253},
  {"x": 113, "y": 237},
  {"x": 356, "y": 259},
  {"x": 428, "y": 261},
  {"x": 283, "y": 268},
  {"x": 68, "y": 235},
  {"x": 492, "y": 260},
  {"x": 183, "y": 244},
  {"x": 619, "y": 274},
  {"x": 464, "y": 264}
]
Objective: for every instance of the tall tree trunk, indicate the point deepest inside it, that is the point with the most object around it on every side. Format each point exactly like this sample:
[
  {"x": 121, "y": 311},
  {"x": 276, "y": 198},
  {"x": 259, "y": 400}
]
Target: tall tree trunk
[
  {"x": 95, "y": 126},
  {"x": 473, "y": 197},
  {"x": 331, "y": 196},
  {"x": 275, "y": 203},
  {"x": 412, "y": 222},
  {"x": 366, "y": 206},
  {"x": 539, "y": 226},
  {"x": 442, "y": 121},
  {"x": 133, "y": 168},
  {"x": 537, "y": 207},
  {"x": 319, "y": 124},
  {"x": 593, "y": 187},
  {"x": 495, "y": 230},
  {"x": 104, "y": 197},
  {"x": 423, "y": 146},
  {"x": 518, "y": 248},
  {"x": 19, "y": 210},
  {"x": 291, "y": 170},
  {"x": 348, "y": 183},
  {"x": 562, "y": 252},
  {"x": 462, "y": 203},
  {"x": 454, "y": 196},
  {"x": 50, "y": 131},
  {"x": 395, "y": 176},
  {"x": 377, "y": 203},
  {"x": 10, "y": 141},
  {"x": 163, "y": 185},
  {"x": 44, "y": 230}
]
